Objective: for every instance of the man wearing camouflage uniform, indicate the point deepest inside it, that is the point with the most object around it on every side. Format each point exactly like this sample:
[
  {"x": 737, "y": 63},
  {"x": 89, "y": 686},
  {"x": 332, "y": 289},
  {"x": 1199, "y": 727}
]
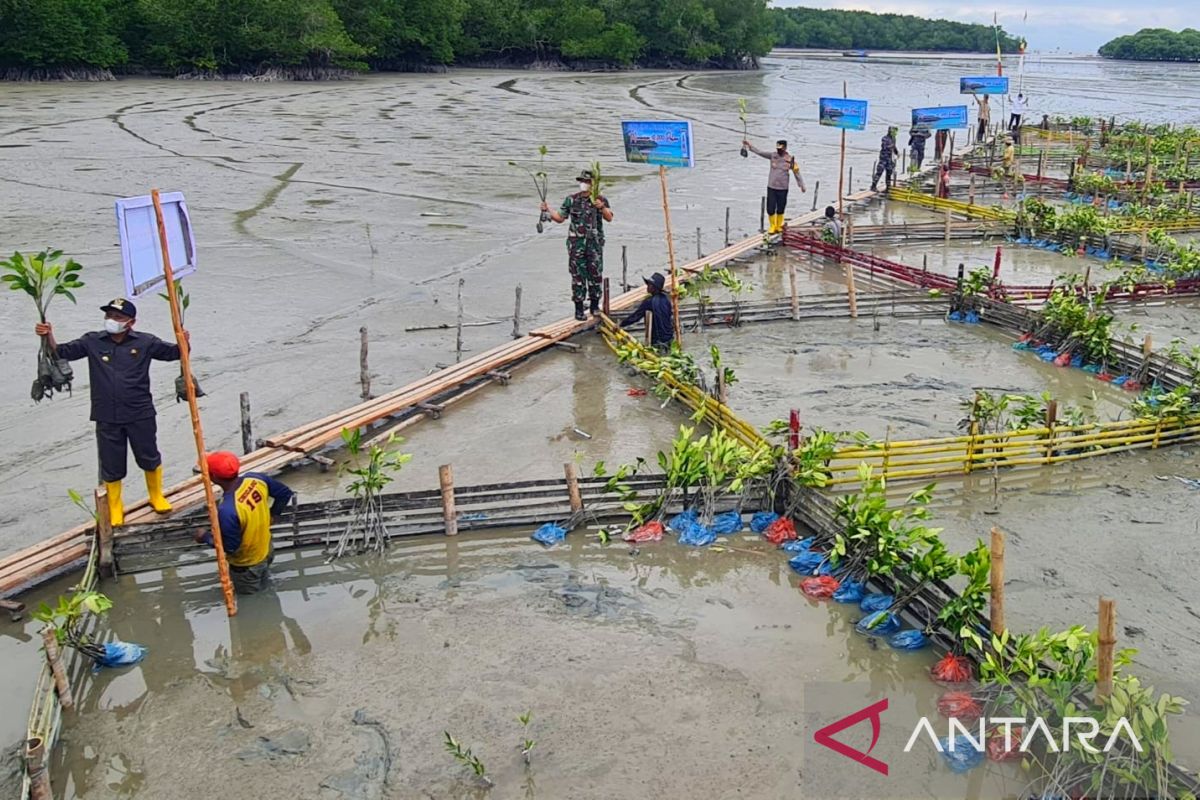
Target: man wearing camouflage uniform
[
  {"x": 887, "y": 159},
  {"x": 585, "y": 241}
]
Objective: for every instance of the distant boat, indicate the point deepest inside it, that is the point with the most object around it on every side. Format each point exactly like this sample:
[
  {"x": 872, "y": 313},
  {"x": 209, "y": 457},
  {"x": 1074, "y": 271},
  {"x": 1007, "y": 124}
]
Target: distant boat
[{"x": 854, "y": 53}]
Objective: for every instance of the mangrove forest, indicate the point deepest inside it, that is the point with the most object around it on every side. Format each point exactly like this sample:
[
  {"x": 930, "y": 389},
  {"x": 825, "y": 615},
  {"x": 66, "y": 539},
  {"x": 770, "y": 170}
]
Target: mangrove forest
[
  {"x": 863, "y": 30},
  {"x": 1155, "y": 44}
]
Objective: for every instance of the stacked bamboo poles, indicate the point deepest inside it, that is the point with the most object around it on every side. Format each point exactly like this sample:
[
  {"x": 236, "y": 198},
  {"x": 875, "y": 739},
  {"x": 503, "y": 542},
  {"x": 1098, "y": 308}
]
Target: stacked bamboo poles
[
  {"x": 967, "y": 210},
  {"x": 1031, "y": 447}
]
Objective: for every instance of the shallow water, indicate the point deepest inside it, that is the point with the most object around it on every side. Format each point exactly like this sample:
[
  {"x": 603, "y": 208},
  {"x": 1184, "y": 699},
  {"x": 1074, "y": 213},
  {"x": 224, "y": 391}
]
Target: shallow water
[{"x": 319, "y": 208}]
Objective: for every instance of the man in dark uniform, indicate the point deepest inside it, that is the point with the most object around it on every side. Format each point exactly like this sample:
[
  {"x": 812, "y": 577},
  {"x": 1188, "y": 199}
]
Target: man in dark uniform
[
  {"x": 585, "y": 241},
  {"x": 658, "y": 303},
  {"x": 887, "y": 159},
  {"x": 122, "y": 407}
]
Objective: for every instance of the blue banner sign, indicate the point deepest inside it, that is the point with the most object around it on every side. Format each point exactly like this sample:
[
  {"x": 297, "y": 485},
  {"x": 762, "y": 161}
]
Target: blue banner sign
[
  {"x": 983, "y": 85},
  {"x": 664, "y": 142},
  {"x": 838, "y": 112},
  {"x": 940, "y": 117}
]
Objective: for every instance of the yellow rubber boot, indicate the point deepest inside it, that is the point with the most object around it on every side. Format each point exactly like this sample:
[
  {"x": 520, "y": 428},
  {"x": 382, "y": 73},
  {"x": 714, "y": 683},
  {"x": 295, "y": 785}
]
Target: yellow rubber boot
[
  {"x": 773, "y": 228},
  {"x": 154, "y": 489},
  {"x": 116, "y": 508}
]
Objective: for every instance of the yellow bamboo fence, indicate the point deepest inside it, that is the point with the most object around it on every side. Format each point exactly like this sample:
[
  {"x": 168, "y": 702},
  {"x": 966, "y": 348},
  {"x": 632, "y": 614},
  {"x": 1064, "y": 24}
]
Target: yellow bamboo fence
[
  {"x": 1031, "y": 447},
  {"x": 968, "y": 210}
]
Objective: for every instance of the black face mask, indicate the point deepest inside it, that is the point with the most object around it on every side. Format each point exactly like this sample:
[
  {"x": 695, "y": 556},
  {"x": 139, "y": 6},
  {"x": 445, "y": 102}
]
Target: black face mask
[{"x": 780, "y": 150}]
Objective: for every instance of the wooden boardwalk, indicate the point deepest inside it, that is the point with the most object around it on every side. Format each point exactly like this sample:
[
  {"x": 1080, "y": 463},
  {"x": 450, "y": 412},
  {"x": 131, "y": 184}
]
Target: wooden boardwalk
[{"x": 67, "y": 550}]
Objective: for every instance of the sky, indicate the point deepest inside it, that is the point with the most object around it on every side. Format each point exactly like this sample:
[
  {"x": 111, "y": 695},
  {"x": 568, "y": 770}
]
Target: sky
[{"x": 1077, "y": 26}]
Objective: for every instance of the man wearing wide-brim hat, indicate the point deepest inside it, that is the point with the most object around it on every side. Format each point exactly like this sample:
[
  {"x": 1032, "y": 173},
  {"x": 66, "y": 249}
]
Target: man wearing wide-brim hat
[
  {"x": 122, "y": 406},
  {"x": 585, "y": 241}
]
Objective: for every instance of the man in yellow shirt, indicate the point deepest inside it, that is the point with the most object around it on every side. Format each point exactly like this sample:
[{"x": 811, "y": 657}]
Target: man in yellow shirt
[{"x": 247, "y": 505}]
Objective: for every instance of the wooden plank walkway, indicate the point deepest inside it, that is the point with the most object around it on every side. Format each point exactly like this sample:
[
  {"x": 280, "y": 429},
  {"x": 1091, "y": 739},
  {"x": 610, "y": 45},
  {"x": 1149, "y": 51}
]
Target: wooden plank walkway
[{"x": 38, "y": 562}]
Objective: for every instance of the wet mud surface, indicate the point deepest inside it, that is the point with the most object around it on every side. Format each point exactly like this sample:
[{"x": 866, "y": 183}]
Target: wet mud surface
[
  {"x": 340, "y": 683},
  {"x": 910, "y": 376}
]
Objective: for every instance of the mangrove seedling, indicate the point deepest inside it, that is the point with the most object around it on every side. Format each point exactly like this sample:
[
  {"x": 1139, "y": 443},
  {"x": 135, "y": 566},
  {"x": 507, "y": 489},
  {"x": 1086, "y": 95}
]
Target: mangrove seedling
[
  {"x": 597, "y": 182},
  {"x": 77, "y": 499},
  {"x": 65, "y": 619},
  {"x": 526, "y": 744},
  {"x": 540, "y": 181},
  {"x": 376, "y": 468},
  {"x": 464, "y": 756},
  {"x": 185, "y": 300},
  {"x": 43, "y": 277}
]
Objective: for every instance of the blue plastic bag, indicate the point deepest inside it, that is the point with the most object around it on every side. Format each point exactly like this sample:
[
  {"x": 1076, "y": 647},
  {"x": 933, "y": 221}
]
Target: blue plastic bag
[
  {"x": 806, "y": 562},
  {"x": 121, "y": 654},
  {"x": 908, "y": 640},
  {"x": 696, "y": 535},
  {"x": 549, "y": 534},
  {"x": 876, "y": 602},
  {"x": 1091, "y": 368},
  {"x": 762, "y": 520},
  {"x": 797, "y": 545},
  {"x": 727, "y": 523},
  {"x": 1077, "y": 361},
  {"x": 683, "y": 520},
  {"x": 849, "y": 592},
  {"x": 971, "y": 318},
  {"x": 965, "y": 755},
  {"x": 880, "y": 623},
  {"x": 1120, "y": 380}
]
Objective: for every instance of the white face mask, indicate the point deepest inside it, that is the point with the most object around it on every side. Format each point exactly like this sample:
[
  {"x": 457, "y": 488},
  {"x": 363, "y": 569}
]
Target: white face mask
[
  {"x": 114, "y": 327},
  {"x": 585, "y": 187}
]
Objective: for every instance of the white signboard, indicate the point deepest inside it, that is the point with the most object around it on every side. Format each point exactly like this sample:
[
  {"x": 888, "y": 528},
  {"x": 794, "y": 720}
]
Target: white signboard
[{"x": 140, "y": 248}]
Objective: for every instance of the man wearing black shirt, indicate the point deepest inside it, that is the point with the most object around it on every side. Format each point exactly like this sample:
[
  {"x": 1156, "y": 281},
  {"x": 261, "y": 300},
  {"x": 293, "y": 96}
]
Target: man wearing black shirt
[{"x": 122, "y": 406}]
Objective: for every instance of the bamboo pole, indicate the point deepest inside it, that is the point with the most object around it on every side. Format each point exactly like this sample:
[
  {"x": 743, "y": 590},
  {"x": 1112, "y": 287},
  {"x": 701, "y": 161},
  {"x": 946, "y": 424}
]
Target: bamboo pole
[
  {"x": 458, "y": 337},
  {"x": 104, "y": 535},
  {"x": 364, "y": 374},
  {"x": 762, "y": 216},
  {"x": 516, "y": 332},
  {"x": 649, "y": 323},
  {"x": 842, "y": 164},
  {"x": 699, "y": 249},
  {"x": 816, "y": 191},
  {"x": 998, "y": 623},
  {"x": 662, "y": 179},
  {"x": 607, "y": 298},
  {"x": 446, "y": 484},
  {"x": 971, "y": 190},
  {"x": 1051, "y": 419},
  {"x": 54, "y": 660},
  {"x": 1107, "y": 638},
  {"x": 247, "y": 429},
  {"x": 572, "y": 475},
  {"x": 35, "y": 768},
  {"x": 795, "y": 297},
  {"x": 727, "y": 226},
  {"x": 185, "y": 359}
]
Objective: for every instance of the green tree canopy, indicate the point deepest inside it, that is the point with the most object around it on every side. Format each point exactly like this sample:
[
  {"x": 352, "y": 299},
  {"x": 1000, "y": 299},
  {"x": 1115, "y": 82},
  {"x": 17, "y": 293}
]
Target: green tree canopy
[
  {"x": 863, "y": 30},
  {"x": 1155, "y": 44}
]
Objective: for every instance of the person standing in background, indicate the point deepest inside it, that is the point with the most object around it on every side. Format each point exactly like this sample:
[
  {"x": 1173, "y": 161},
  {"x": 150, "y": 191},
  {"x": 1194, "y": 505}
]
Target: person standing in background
[
  {"x": 585, "y": 242},
  {"x": 783, "y": 163},
  {"x": 1018, "y": 110},
  {"x": 985, "y": 117},
  {"x": 887, "y": 159}
]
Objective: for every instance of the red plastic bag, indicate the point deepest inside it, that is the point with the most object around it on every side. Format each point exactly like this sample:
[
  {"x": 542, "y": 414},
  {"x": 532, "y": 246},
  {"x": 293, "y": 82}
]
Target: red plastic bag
[
  {"x": 1131, "y": 386},
  {"x": 952, "y": 669},
  {"x": 650, "y": 532},
  {"x": 996, "y": 750},
  {"x": 959, "y": 705},
  {"x": 780, "y": 531},
  {"x": 822, "y": 586},
  {"x": 636, "y": 393},
  {"x": 1062, "y": 359},
  {"x": 1104, "y": 376}
]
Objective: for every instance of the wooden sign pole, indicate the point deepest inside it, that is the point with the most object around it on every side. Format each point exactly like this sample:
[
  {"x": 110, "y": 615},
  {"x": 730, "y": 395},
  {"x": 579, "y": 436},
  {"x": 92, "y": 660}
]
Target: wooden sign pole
[
  {"x": 662, "y": 179},
  {"x": 842, "y": 165},
  {"x": 185, "y": 360}
]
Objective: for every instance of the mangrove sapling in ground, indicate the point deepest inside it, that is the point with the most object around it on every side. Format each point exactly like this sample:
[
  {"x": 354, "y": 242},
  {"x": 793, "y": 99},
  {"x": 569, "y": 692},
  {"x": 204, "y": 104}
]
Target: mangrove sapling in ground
[
  {"x": 526, "y": 746},
  {"x": 185, "y": 300},
  {"x": 372, "y": 468},
  {"x": 43, "y": 277},
  {"x": 66, "y": 620},
  {"x": 700, "y": 286},
  {"x": 464, "y": 756}
]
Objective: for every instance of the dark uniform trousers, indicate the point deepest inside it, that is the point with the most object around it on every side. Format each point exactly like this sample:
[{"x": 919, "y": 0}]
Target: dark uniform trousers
[{"x": 113, "y": 439}]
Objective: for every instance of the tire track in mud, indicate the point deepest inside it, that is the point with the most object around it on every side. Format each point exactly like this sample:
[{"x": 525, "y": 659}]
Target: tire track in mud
[{"x": 635, "y": 94}]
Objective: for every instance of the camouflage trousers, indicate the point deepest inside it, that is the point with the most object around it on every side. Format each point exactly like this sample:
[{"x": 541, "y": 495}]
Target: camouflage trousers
[{"x": 585, "y": 260}]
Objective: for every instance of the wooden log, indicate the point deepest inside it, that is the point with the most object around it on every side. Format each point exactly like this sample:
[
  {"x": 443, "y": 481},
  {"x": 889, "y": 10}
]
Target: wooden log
[
  {"x": 606, "y": 298},
  {"x": 625, "y": 268},
  {"x": 572, "y": 475},
  {"x": 1107, "y": 639},
  {"x": 104, "y": 534},
  {"x": 649, "y": 322},
  {"x": 35, "y": 768},
  {"x": 516, "y": 332},
  {"x": 699, "y": 250},
  {"x": 54, "y": 660},
  {"x": 997, "y": 546},
  {"x": 449, "y": 515},
  {"x": 816, "y": 192},
  {"x": 727, "y": 226},
  {"x": 762, "y": 216},
  {"x": 364, "y": 374}
]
